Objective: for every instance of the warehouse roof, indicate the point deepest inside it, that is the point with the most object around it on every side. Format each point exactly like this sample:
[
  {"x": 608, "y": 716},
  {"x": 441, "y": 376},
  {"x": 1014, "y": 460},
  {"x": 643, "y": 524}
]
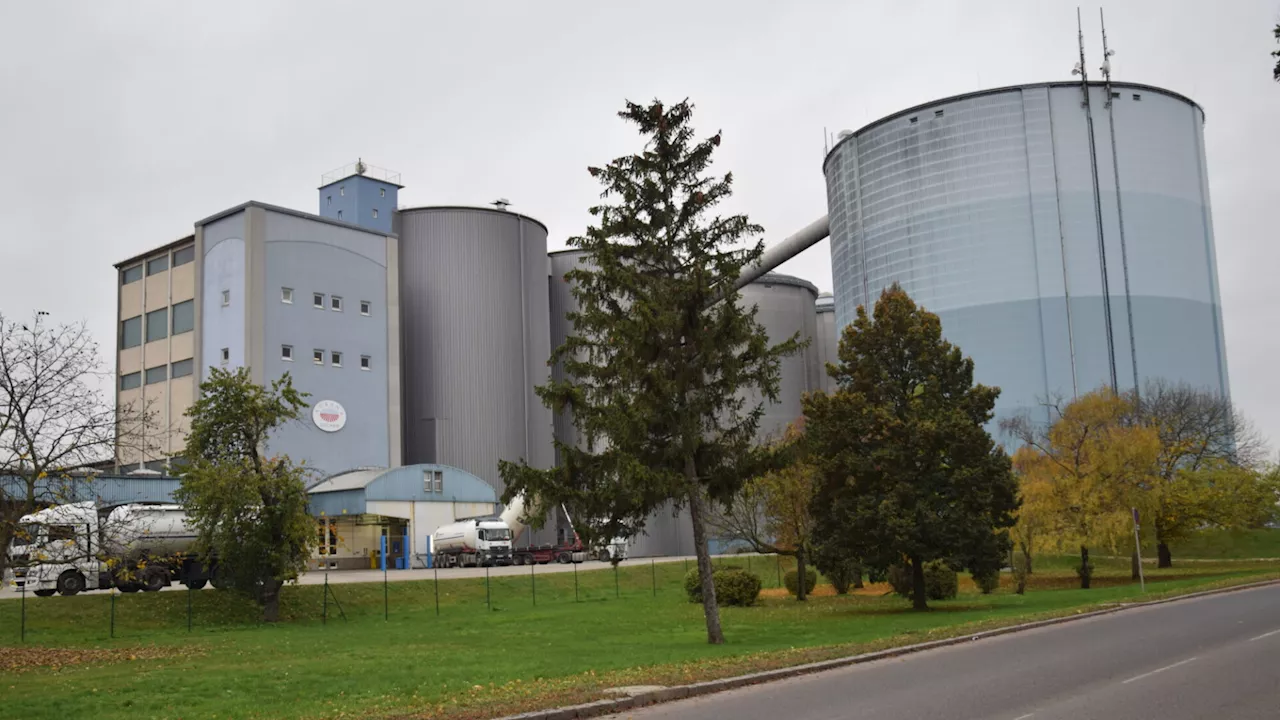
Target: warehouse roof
[{"x": 347, "y": 493}]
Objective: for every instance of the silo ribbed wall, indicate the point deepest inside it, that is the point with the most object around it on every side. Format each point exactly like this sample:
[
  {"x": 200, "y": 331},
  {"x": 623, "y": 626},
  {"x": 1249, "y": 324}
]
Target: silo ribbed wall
[{"x": 827, "y": 341}]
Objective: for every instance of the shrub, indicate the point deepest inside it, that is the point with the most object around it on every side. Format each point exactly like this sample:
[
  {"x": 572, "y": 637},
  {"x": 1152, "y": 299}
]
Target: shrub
[
  {"x": 734, "y": 586},
  {"x": 940, "y": 581},
  {"x": 843, "y": 574},
  {"x": 792, "y": 581},
  {"x": 987, "y": 580},
  {"x": 1020, "y": 575}
]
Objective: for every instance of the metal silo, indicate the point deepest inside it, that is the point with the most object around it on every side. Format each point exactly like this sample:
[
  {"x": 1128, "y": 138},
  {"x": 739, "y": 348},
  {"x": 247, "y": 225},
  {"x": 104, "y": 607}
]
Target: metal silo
[
  {"x": 786, "y": 307},
  {"x": 476, "y": 338},
  {"x": 560, "y": 292},
  {"x": 827, "y": 341},
  {"x": 1061, "y": 243}
]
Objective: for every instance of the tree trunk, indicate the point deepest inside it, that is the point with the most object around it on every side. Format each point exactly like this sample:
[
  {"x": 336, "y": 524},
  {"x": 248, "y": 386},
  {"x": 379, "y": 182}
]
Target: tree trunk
[
  {"x": 1166, "y": 557},
  {"x": 1026, "y": 555},
  {"x": 269, "y": 596},
  {"x": 1135, "y": 565},
  {"x": 801, "y": 584},
  {"x": 710, "y": 609},
  {"x": 918, "y": 601},
  {"x": 1085, "y": 571},
  {"x": 857, "y": 576}
]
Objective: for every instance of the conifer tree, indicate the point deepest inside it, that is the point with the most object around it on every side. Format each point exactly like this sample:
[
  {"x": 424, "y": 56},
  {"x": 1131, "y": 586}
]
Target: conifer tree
[{"x": 662, "y": 357}]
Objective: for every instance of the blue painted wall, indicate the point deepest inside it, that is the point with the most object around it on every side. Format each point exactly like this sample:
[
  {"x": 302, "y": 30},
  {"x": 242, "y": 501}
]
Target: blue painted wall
[
  {"x": 405, "y": 484},
  {"x": 354, "y": 200},
  {"x": 223, "y": 269}
]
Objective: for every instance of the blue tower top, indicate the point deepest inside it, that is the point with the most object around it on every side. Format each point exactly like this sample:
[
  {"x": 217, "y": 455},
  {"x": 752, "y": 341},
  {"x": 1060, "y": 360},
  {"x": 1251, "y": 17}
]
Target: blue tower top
[{"x": 360, "y": 194}]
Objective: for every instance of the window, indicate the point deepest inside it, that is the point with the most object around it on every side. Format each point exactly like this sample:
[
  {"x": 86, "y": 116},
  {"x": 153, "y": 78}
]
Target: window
[
  {"x": 375, "y": 213},
  {"x": 184, "y": 317},
  {"x": 286, "y": 296},
  {"x": 937, "y": 113},
  {"x": 335, "y": 358},
  {"x": 1115, "y": 94},
  {"x": 1137, "y": 96},
  {"x": 157, "y": 374},
  {"x": 182, "y": 368},
  {"x": 131, "y": 381},
  {"x": 382, "y": 192},
  {"x": 158, "y": 324},
  {"x": 342, "y": 189},
  {"x": 226, "y": 298},
  {"x": 131, "y": 332},
  {"x": 366, "y": 362},
  {"x": 317, "y": 357},
  {"x": 131, "y": 274},
  {"x": 317, "y": 300},
  {"x": 62, "y": 532},
  {"x": 339, "y": 214},
  {"x": 366, "y": 307},
  {"x": 226, "y": 355},
  {"x": 432, "y": 481},
  {"x": 286, "y": 353},
  {"x": 913, "y": 120},
  {"x": 157, "y": 265},
  {"x": 328, "y": 201},
  {"x": 157, "y": 465},
  {"x": 335, "y": 302},
  {"x": 184, "y": 255}
]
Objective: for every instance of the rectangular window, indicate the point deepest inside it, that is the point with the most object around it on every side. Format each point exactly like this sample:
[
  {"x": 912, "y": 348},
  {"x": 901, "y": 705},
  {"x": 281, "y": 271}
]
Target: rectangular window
[
  {"x": 182, "y": 256},
  {"x": 157, "y": 265},
  {"x": 157, "y": 374},
  {"x": 131, "y": 381},
  {"x": 226, "y": 298},
  {"x": 182, "y": 368},
  {"x": 317, "y": 357},
  {"x": 226, "y": 355},
  {"x": 62, "y": 532},
  {"x": 328, "y": 201},
  {"x": 339, "y": 214},
  {"x": 158, "y": 324},
  {"x": 382, "y": 192},
  {"x": 375, "y": 213},
  {"x": 366, "y": 307},
  {"x": 342, "y": 189},
  {"x": 366, "y": 362},
  {"x": 432, "y": 481},
  {"x": 286, "y": 353},
  {"x": 317, "y": 300},
  {"x": 184, "y": 317},
  {"x": 286, "y": 296},
  {"x": 914, "y": 120},
  {"x": 439, "y": 481},
  {"x": 130, "y": 274},
  {"x": 131, "y": 332},
  {"x": 335, "y": 358},
  {"x": 335, "y": 302},
  {"x": 1136, "y": 96},
  {"x": 938, "y": 113}
]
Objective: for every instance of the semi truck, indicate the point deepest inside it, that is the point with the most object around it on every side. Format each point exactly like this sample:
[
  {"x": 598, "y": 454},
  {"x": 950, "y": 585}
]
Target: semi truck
[{"x": 67, "y": 549}]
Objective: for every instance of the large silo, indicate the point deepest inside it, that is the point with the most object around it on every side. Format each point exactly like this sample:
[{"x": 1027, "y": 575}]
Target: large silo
[
  {"x": 786, "y": 307},
  {"x": 1055, "y": 256},
  {"x": 476, "y": 338},
  {"x": 827, "y": 340}
]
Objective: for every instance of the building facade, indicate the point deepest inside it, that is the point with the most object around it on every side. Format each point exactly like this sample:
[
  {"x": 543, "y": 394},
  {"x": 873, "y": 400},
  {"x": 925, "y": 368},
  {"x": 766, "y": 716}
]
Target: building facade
[{"x": 1056, "y": 257}]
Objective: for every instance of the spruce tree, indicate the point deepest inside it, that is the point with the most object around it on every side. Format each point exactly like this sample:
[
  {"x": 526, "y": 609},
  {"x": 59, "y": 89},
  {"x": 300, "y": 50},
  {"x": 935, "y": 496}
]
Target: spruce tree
[{"x": 662, "y": 356}]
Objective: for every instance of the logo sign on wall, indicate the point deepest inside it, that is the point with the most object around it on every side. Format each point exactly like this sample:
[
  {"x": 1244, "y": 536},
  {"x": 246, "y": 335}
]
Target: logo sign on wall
[{"x": 329, "y": 416}]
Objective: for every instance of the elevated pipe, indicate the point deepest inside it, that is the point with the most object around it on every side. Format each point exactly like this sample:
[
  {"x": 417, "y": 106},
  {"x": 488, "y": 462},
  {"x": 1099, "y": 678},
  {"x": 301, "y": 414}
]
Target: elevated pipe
[{"x": 792, "y": 245}]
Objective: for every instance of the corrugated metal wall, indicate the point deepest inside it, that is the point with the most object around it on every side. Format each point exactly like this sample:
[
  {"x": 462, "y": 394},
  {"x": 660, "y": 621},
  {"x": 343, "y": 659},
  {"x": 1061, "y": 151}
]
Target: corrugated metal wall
[
  {"x": 476, "y": 338},
  {"x": 786, "y": 306},
  {"x": 828, "y": 340}
]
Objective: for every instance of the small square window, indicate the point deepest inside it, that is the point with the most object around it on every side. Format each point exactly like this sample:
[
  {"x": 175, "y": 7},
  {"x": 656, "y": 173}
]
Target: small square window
[
  {"x": 317, "y": 300},
  {"x": 157, "y": 374},
  {"x": 182, "y": 368},
  {"x": 366, "y": 362},
  {"x": 157, "y": 265},
  {"x": 375, "y": 213},
  {"x": 226, "y": 355},
  {"x": 226, "y": 298},
  {"x": 131, "y": 381},
  {"x": 366, "y": 307},
  {"x": 938, "y": 113},
  {"x": 335, "y": 303},
  {"x": 914, "y": 120},
  {"x": 286, "y": 353},
  {"x": 317, "y": 357},
  {"x": 382, "y": 192},
  {"x": 286, "y": 296},
  {"x": 1136, "y": 96},
  {"x": 335, "y": 359},
  {"x": 339, "y": 214}
]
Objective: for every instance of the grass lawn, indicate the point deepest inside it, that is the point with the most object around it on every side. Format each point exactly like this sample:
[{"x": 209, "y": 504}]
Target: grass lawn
[
  {"x": 470, "y": 660},
  {"x": 1227, "y": 544}
]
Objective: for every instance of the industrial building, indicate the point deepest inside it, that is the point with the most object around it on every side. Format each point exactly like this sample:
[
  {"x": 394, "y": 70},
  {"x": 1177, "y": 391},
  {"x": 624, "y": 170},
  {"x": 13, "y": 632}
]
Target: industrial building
[{"x": 1065, "y": 245}]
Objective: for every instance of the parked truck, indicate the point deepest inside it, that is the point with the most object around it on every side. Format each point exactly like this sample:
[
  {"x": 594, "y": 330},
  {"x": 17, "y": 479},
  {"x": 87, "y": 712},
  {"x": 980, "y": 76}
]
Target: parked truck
[
  {"x": 472, "y": 542},
  {"x": 67, "y": 549}
]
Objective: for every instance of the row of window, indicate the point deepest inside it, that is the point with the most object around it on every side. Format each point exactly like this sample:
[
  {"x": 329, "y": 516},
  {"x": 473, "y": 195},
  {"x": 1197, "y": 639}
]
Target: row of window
[
  {"x": 159, "y": 264},
  {"x": 157, "y": 374},
  {"x": 158, "y": 324},
  {"x": 318, "y": 357},
  {"x": 320, "y": 301}
]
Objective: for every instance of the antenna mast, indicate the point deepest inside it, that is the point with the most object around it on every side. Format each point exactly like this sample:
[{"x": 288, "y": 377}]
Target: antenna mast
[{"x": 1097, "y": 202}]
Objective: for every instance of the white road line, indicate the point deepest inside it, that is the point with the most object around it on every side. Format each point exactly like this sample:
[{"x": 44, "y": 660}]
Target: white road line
[
  {"x": 1153, "y": 672},
  {"x": 1265, "y": 635},
  {"x": 1024, "y": 717}
]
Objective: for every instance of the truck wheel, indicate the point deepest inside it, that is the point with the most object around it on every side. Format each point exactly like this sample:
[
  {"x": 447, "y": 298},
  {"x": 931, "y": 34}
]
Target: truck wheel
[
  {"x": 70, "y": 583},
  {"x": 563, "y": 558},
  {"x": 129, "y": 587},
  {"x": 45, "y": 593},
  {"x": 153, "y": 581},
  {"x": 197, "y": 584},
  {"x": 603, "y": 556}
]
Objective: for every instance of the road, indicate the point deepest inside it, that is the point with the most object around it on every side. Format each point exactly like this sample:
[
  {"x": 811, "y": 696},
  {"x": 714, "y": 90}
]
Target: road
[{"x": 1212, "y": 657}]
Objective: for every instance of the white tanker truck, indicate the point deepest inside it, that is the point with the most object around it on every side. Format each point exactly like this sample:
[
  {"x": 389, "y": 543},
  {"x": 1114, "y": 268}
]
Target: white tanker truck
[
  {"x": 491, "y": 540},
  {"x": 66, "y": 549}
]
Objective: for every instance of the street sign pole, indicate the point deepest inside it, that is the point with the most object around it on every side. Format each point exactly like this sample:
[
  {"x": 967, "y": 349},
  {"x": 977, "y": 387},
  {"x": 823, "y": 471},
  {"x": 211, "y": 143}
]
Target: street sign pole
[{"x": 1137, "y": 546}]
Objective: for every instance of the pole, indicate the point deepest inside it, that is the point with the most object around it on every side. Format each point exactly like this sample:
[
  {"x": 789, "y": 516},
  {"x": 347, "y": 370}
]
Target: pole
[
  {"x": 324, "y": 604},
  {"x": 616, "y": 592},
  {"x": 188, "y": 608},
  {"x": 575, "y": 582},
  {"x": 1137, "y": 546},
  {"x": 436, "y": 586},
  {"x": 653, "y": 571},
  {"x": 113, "y": 613},
  {"x": 24, "y": 613},
  {"x": 533, "y": 583}
]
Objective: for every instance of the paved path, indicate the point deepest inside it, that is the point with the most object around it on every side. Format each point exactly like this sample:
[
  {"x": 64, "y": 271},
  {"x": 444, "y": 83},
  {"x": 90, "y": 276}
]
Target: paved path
[{"x": 1215, "y": 657}]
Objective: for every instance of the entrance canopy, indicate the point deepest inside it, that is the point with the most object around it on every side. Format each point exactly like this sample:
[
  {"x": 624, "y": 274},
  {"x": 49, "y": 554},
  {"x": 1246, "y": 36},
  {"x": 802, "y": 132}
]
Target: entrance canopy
[{"x": 351, "y": 492}]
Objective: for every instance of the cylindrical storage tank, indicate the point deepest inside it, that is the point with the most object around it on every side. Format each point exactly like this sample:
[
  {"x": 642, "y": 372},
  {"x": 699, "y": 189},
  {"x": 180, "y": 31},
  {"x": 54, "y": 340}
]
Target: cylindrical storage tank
[
  {"x": 998, "y": 211},
  {"x": 827, "y": 341},
  {"x": 475, "y": 338},
  {"x": 560, "y": 292},
  {"x": 785, "y": 306}
]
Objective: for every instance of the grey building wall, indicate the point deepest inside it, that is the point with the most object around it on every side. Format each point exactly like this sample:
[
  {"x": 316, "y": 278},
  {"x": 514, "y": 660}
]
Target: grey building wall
[
  {"x": 982, "y": 207},
  {"x": 223, "y": 269},
  {"x": 476, "y": 338},
  {"x": 827, "y": 341}
]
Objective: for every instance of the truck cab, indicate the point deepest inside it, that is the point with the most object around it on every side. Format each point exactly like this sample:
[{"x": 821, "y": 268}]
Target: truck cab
[
  {"x": 493, "y": 542},
  {"x": 55, "y": 550}
]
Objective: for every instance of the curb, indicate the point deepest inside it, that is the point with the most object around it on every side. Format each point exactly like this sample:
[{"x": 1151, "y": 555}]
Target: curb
[{"x": 681, "y": 692}]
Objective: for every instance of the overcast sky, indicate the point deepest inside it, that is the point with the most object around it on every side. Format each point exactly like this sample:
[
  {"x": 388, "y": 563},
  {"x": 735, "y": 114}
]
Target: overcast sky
[{"x": 123, "y": 123}]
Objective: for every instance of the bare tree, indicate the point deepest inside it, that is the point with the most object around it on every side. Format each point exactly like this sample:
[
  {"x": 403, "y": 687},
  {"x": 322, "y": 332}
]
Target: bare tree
[{"x": 55, "y": 416}]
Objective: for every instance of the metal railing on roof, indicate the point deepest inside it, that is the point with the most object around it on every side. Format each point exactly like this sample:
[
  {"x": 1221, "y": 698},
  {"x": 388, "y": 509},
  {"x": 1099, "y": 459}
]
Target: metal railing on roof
[{"x": 360, "y": 167}]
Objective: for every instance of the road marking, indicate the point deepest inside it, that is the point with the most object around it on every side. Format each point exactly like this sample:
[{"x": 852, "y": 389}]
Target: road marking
[
  {"x": 1153, "y": 672},
  {"x": 1024, "y": 717},
  {"x": 1265, "y": 635}
]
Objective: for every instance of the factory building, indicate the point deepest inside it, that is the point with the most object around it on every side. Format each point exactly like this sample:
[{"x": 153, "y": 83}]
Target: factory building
[{"x": 1065, "y": 245}]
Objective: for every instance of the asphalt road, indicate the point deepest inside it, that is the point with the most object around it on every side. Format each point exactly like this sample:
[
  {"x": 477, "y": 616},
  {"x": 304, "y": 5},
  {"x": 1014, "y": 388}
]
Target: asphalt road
[{"x": 1214, "y": 657}]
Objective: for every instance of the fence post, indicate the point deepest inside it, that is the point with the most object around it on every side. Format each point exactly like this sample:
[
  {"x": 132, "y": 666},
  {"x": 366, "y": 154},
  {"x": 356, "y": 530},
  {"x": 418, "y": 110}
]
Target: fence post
[
  {"x": 324, "y": 606},
  {"x": 435, "y": 585},
  {"x": 616, "y": 593},
  {"x": 488, "y": 594},
  {"x": 575, "y": 582},
  {"x": 24, "y": 613},
  {"x": 533, "y": 583},
  {"x": 386, "y": 602},
  {"x": 188, "y": 608},
  {"x": 653, "y": 571},
  {"x": 113, "y": 613}
]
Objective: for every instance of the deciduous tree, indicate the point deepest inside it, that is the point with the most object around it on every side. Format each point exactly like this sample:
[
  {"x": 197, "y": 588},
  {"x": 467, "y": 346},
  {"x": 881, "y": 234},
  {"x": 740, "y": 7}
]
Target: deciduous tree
[
  {"x": 657, "y": 370},
  {"x": 249, "y": 508},
  {"x": 908, "y": 471}
]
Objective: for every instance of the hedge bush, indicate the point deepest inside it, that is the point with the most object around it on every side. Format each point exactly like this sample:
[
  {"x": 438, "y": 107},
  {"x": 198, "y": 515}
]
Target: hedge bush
[
  {"x": 792, "y": 580},
  {"x": 734, "y": 586},
  {"x": 844, "y": 574},
  {"x": 940, "y": 581},
  {"x": 986, "y": 580}
]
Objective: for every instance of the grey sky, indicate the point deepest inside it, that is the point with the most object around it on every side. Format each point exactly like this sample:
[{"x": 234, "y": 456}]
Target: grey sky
[{"x": 122, "y": 123}]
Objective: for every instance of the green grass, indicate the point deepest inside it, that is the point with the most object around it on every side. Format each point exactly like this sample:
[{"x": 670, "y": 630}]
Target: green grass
[
  {"x": 477, "y": 661},
  {"x": 1228, "y": 544}
]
